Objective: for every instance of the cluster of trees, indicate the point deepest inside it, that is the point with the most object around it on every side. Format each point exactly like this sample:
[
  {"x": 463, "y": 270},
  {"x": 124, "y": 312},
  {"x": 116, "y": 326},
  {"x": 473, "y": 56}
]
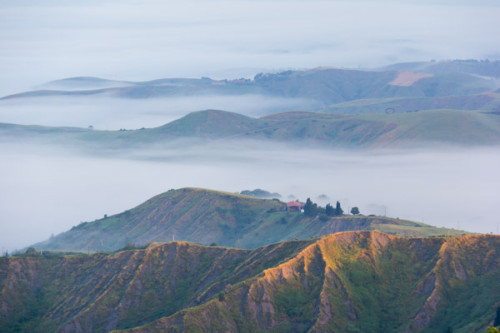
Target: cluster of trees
[
  {"x": 337, "y": 211},
  {"x": 312, "y": 209},
  {"x": 260, "y": 193}
]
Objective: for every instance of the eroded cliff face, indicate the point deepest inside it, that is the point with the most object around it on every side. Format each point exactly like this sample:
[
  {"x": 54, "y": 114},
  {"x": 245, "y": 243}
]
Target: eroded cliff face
[
  {"x": 362, "y": 281},
  {"x": 101, "y": 292},
  {"x": 350, "y": 281}
]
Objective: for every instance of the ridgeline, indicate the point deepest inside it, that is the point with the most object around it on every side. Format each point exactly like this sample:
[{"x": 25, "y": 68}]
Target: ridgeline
[
  {"x": 227, "y": 219},
  {"x": 350, "y": 281}
]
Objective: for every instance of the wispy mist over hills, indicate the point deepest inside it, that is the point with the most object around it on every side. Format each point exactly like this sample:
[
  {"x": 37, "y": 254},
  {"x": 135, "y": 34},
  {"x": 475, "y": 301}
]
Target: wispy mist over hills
[
  {"x": 105, "y": 104},
  {"x": 303, "y": 154},
  {"x": 454, "y": 188}
]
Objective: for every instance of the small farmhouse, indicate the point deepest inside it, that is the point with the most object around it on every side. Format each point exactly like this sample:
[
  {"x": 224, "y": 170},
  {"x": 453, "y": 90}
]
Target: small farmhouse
[{"x": 293, "y": 206}]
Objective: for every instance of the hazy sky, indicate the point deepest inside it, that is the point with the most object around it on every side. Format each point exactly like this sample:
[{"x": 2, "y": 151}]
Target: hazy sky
[{"x": 141, "y": 40}]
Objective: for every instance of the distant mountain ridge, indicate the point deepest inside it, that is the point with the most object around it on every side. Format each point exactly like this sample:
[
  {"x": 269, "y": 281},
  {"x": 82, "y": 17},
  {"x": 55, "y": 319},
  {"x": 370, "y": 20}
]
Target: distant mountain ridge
[
  {"x": 83, "y": 83},
  {"x": 326, "y": 86},
  {"x": 227, "y": 219}
]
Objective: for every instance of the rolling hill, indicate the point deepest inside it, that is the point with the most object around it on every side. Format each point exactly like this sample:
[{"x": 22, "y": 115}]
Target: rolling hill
[
  {"x": 361, "y": 281},
  {"x": 227, "y": 219},
  {"x": 398, "y": 130},
  {"x": 449, "y": 82},
  {"x": 488, "y": 102}
]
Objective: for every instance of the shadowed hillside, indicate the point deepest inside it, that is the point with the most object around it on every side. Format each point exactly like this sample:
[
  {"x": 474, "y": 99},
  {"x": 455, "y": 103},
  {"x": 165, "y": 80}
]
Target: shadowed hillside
[
  {"x": 100, "y": 292},
  {"x": 205, "y": 216}
]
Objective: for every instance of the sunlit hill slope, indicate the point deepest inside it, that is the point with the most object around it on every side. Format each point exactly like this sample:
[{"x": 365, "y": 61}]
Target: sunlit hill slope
[{"x": 358, "y": 281}]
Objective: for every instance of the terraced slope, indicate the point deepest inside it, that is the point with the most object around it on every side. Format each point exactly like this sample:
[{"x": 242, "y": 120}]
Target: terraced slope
[{"x": 205, "y": 216}]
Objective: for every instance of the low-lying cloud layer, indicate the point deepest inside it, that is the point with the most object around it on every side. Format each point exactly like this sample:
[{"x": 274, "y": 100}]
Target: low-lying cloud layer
[
  {"x": 45, "y": 191},
  {"x": 113, "y": 114}
]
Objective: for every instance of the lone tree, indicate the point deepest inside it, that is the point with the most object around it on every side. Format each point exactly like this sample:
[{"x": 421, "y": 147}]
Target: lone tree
[
  {"x": 31, "y": 251},
  {"x": 355, "y": 211},
  {"x": 338, "y": 210},
  {"x": 310, "y": 208},
  {"x": 329, "y": 211}
]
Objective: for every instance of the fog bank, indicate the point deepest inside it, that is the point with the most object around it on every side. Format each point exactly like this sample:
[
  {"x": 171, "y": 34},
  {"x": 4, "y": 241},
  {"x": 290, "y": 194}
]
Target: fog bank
[
  {"x": 113, "y": 114},
  {"x": 45, "y": 191}
]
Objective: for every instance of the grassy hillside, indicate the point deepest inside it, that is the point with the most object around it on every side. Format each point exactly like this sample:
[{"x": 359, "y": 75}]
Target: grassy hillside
[
  {"x": 361, "y": 282},
  {"x": 331, "y": 85},
  {"x": 485, "y": 102},
  {"x": 471, "y": 66},
  {"x": 413, "y": 129},
  {"x": 205, "y": 216},
  {"x": 440, "y": 127}
]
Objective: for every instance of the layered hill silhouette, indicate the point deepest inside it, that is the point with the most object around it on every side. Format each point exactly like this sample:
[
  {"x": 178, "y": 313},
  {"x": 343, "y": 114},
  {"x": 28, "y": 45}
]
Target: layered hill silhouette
[
  {"x": 407, "y": 87},
  {"x": 399, "y": 130},
  {"x": 363, "y": 281},
  {"x": 227, "y": 219}
]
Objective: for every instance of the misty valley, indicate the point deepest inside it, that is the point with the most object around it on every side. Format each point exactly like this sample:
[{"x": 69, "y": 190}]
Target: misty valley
[{"x": 316, "y": 200}]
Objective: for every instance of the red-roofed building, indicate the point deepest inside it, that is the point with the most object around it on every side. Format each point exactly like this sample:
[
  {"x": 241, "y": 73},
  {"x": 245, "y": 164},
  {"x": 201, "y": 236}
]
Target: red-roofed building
[{"x": 293, "y": 206}]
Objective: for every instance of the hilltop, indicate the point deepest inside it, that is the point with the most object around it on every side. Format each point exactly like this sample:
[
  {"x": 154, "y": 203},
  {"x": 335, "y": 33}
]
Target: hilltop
[
  {"x": 350, "y": 281},
  {"x": 227, "y": 219},
  {"x": 398, "y": 130}
]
